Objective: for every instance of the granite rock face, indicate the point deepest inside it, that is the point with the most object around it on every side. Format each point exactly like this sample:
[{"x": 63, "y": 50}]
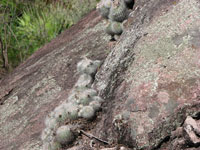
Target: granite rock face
[
  {"x": 44, "y": 81},
  {"x": 150, "y": 82},
  {"x": 151, "y": 79}
]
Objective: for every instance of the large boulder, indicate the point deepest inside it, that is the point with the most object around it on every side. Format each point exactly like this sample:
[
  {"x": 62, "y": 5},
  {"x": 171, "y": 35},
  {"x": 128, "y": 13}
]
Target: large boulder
[
  {"x": 150, "y": 82},
  {"x": 151, "y": 79}
]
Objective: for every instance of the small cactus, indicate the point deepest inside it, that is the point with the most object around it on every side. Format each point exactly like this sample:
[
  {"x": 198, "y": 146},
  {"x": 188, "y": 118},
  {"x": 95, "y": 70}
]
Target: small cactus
[
  {"x": 109, "y": 30},
  {"x": 118, "y": 12},
  {"x": 71, "y": 110},
  {"x": 64, "y": 135},
  {"x": 104, "y": 8},
  {"x": 117, "y": 28},
  {"x": 104, "y": 11},
  {"x": 86, "y": 96},
  {"x": 87, "y": 66},
  {"x": 84, "y": 80},
  {"x": 60, "y": 114},
  {"x": 87, "y": 112}
]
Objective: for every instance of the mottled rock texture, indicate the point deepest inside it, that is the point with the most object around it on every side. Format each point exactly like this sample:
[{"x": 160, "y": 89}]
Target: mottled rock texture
[
  {"x": 40, "y": 84},
  {"x": 150, "y": 81}
]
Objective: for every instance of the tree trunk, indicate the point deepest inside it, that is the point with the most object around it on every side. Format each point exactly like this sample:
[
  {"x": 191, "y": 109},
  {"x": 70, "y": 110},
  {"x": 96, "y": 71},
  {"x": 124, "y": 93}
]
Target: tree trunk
[{"x": 4, "y": 55}]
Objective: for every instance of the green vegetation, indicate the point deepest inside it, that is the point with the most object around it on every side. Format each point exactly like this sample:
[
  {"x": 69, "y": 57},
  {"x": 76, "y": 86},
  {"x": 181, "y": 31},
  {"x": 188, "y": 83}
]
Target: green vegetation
[{"x": 27, "y": 25}]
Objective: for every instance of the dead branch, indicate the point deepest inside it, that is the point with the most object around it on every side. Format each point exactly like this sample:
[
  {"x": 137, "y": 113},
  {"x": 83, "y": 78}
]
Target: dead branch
[{"x": 90, "y": 136}]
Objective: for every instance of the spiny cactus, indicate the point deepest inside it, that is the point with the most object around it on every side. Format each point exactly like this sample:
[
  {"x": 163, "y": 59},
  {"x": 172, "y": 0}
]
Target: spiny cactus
[
  {"x": 109, "y": 31},
  {"x": 64, "y": 135},
  {"x": 118, "y": 11},
  {"x": 87, "y": 112},
  {"x": 83, "y": 102},
  {"x": 104, "y": 8},
  {"x": 87, "y": 66},
  {"x": 117, "y": 28},
  {"x": 71, "y": 110},
  {"x": 84, "y": 80},
  {"x": 85, "y": 97},
  {"x": 60, "y": 114}
]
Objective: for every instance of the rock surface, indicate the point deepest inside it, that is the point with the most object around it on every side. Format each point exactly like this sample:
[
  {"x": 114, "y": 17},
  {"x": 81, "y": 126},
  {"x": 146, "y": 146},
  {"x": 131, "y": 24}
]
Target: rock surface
[
  {"x": 40, "y": 84},
  {"x": 151, "y": 79},
  {"x": 150, "y": 82}
]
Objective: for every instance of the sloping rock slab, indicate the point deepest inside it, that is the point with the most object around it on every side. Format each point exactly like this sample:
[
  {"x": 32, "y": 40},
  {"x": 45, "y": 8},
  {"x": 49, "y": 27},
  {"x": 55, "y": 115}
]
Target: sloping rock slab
[
  {"x": 38, "y": 85},
  {"x": 151, "y": 79}
]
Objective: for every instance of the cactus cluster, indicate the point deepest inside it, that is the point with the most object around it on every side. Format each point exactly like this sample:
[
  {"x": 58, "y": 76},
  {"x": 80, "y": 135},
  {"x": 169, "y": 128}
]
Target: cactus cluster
[
  {"x": 115, "y": 11},
  {"x": 83, "y": 102}
]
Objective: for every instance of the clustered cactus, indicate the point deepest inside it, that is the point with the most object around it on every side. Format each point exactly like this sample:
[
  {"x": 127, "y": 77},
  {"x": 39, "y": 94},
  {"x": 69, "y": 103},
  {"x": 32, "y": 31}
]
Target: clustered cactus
[
  {"x": 115, "y": 11},
  {"x": 61, "y": 125}
]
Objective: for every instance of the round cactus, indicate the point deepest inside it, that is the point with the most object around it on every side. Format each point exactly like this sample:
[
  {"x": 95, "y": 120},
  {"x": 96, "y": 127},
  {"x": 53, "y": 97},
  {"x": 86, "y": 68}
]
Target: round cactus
[
  {"x": 64, "y": 135},
  {"x": 82, "y": 96},
  {"x": 118, "y": 11},
  {"x": 86, "y": 96},
  {"x": 87, "y": 112},
  {"x": 86, "y": 66},
  {"x": 60, "y": 114},
  {"x": 117, "y": 28},
  {"x": 104, "y": 8},
  {"x": 84, "y": 80},
  {"x": 71, "y": 110},
  {"x": 104, "y": 11},
  {"x": 109, "y": 30}
]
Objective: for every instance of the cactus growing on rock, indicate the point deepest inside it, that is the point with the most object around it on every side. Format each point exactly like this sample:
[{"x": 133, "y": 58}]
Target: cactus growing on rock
[
  {"x": 87, "y": 66},
  {"x": 71, "y": 110},
  {"x": 87, "y": 112},
  {"x": 104, "y": 8},
  {"x": 83, "y": 102},
  {"x": 60, "y": 114},
  {"x": 64, "y": 135},
  {"x": 84, "y": 80},
  {"x": 118, "y": 11},
  {"x": 117, "y": 28}
]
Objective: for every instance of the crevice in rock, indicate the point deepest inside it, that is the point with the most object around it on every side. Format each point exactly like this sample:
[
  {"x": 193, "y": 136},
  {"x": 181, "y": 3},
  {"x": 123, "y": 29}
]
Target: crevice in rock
[
  {"x": 3, "y": 99},
  {"x": 165, "y": 140},
  {"x": 196, "y": 116}
]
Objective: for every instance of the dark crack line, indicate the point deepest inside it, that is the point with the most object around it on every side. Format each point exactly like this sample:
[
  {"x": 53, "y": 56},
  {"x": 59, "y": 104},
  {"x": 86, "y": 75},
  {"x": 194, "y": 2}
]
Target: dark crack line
[{"x": 3, "y": 99}]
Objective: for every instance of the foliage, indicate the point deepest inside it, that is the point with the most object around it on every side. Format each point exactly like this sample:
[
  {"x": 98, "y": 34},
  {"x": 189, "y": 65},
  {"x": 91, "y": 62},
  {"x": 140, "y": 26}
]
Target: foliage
[{"x": 27, "y": 25}]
